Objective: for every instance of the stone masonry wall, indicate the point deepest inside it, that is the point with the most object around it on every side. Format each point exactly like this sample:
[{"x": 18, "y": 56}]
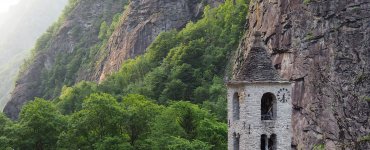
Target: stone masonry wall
[{"x": 250, "y": 127}]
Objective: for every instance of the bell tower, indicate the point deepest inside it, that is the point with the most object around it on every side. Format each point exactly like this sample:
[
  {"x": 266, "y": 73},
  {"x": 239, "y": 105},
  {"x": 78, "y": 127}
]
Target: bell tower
[{"x": 259, "y": 104}]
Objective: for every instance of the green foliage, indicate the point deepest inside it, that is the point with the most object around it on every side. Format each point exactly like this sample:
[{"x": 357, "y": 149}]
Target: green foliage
[
  {"x": 113, "y": 143},
  {"x": 133, "y": 71},
  {"x": 4, "y": 143},
  {"x": 364, "y": 139},
  {"x": 81, "y": 58},
  {"x": 39, "y": 126},
  {"x": 309, "y": 36},
  {"x": 178, "y": 143},
  {"x": 307, "y": 1},
  {"x": 105, "y": 123},
  {"x": 45, "y": 40},
  {"x": 140, "y": 112},
  {"x": 319, "y": 147},
  {"x": 367, "y": 99},
  {"x": 213, "y": 132},
  {"x": 103, "y": 30},
  {"x": 187, "y": 123},
  {"x": 100, "y": 118},
  {"x": 67, "y": 65},
  {"x": 218, "y": 98},
  {"x": 172, "y": 97},
  {"x": 70, "y": 100},
  {"x": 185, "y": 65},
  {"x": 5, "y": 123},
  {"x": 115, "y": 22}
]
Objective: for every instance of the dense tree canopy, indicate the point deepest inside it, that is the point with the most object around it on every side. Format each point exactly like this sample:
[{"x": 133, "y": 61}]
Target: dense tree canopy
[
  {"x": 186, "y": 65},
  {"x": 172, "y": 97}
]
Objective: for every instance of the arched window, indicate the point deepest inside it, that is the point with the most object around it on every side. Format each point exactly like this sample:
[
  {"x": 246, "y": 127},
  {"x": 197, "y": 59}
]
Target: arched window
[
  {"x": 268, "y": 107},
  {"x": 272, "y": 142},
  {"x": 236, "y": 107},
  {"x": 264, "y": 144},
  {"x": 268, "y": 143},
  {"x": 236, "y": 139}
]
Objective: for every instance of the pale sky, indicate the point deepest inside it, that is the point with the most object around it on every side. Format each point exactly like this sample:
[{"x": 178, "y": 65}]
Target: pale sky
[{"x": 5, "y": 4}]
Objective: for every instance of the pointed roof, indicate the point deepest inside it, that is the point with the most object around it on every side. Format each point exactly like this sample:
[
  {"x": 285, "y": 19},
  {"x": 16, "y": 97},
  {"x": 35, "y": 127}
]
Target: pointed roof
[{"x": 258, "y": 65}]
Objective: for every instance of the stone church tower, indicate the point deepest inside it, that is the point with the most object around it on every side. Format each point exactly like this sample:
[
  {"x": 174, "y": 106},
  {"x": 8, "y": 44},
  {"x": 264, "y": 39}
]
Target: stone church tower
[{"x": 259, "y": 104}]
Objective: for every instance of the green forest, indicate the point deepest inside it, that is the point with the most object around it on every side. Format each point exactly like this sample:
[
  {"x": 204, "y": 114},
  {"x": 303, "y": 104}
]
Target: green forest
[{"x": 172, "y": 97}]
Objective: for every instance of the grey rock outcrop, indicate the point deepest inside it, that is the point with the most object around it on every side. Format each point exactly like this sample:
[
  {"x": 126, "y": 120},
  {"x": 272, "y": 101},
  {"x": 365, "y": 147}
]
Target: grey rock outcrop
[
  {"x": 323, "y": 46},
  {"x": 18, "y": 37},
  {"x": 142, "y": 23},
  {"x": 84, "y": 18}
]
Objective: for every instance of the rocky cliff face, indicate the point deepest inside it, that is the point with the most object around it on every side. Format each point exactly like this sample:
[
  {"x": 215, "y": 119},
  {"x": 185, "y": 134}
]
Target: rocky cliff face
[
  {"x": 142, "y": 23},
  {"x": 14, "y": 28},
  {"x": 324, "y": 47},
  {"x": 85, "y": 19}
]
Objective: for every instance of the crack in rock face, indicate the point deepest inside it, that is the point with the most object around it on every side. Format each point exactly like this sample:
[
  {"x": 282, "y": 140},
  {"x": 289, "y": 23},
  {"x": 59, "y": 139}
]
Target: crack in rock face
[{"x": 323, "y": 46}]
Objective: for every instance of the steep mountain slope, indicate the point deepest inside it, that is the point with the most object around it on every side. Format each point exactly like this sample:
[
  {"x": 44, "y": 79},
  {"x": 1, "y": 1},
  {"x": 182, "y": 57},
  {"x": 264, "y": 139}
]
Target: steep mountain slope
[
  {"x": 323, "y": 46},
  {"x": 182, "y": 101},
  {"x": 80, "y": 44},
  {"x": 19, "y": 28},
  {"x": 143, "y": 22},
  {"x": 72, "y": 37}
]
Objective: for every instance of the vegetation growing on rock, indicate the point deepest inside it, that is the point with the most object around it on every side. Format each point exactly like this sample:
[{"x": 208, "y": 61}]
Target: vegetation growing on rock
[{"x": 169, "y": 98}]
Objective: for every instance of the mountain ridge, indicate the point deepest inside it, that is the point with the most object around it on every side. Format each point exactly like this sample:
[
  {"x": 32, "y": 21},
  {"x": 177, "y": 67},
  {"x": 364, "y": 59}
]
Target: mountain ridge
[{"x": 40, "y": 14}]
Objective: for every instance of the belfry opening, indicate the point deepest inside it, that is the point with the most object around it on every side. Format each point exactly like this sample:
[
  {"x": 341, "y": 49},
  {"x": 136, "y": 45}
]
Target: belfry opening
[
  {"x": 268, "y": 108},
  {"x": 268, "y": 143},
  {"x": 259, "y": 103}
]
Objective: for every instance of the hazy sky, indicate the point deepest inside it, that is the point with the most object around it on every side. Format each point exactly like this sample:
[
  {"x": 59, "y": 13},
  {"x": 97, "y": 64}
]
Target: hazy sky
[{"x": 5, "y": 4}]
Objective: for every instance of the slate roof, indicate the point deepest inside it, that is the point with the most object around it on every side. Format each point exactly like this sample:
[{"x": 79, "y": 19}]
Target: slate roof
[{"x": 258, "y": 65}]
